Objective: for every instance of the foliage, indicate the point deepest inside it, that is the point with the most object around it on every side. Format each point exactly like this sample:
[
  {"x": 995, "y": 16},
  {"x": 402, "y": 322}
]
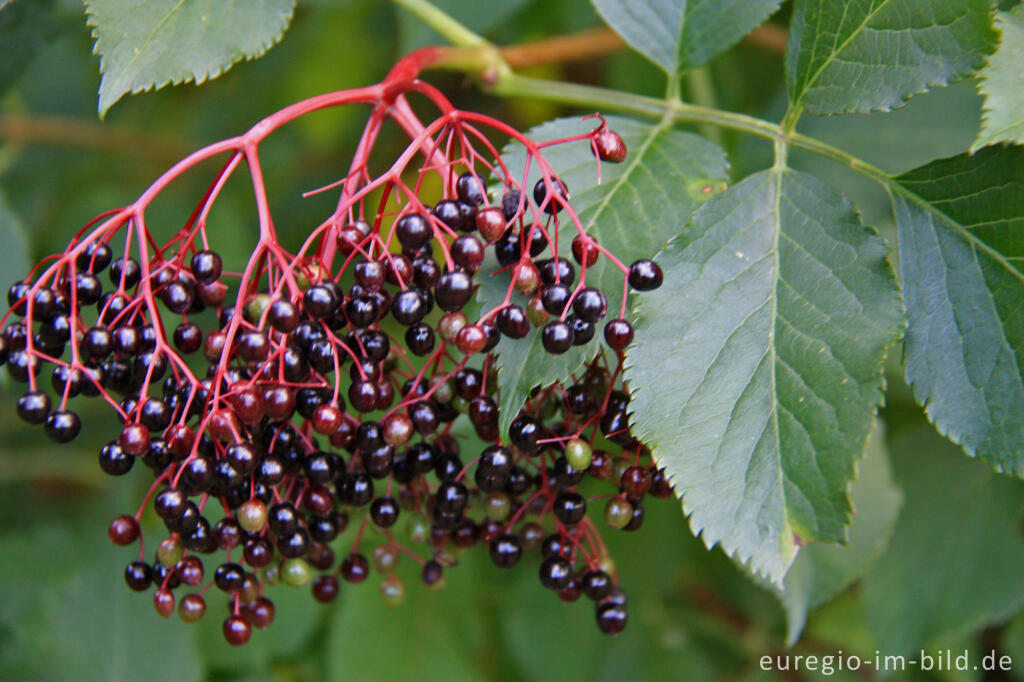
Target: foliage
[{"x": 846, "y": 253}]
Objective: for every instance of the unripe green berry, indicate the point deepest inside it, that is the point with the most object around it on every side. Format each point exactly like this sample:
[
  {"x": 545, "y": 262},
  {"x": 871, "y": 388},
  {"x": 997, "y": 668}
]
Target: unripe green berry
[
  {"x": 392, "y": 591},
  {"x": 535, "y": 312},
  {"x": 191, "y": 608},
  {"x": 578, "y": 454},
  {"x": 295, "y": 572},
  {"x": 417, "y": 528},
  {"x": 385, "y": 559},
  {"x": 271, "y": 574},
  {"x": 497, "y": 506},
  {"x": 443, "y": 393},
  {"x": 170, "y": 551},
  {"x": 252, "y": 515},
  {"x": 618, "y": 513},
  {"x": 450, "y": 326},
  {"x": 256, "y": 306}
]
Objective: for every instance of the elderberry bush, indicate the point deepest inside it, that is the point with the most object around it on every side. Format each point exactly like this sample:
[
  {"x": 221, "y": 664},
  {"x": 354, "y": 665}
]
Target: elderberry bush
[{"x": 282, "y": 410}]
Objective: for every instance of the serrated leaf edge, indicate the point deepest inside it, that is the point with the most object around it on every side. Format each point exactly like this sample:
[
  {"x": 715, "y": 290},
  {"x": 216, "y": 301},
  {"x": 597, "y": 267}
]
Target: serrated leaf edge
[
  {"x": 197, "y": 79},
  {"x": 880, "y": 384}
]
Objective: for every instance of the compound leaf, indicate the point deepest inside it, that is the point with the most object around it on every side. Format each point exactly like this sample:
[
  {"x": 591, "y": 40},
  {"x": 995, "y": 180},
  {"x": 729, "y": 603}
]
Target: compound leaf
[
  {"x": 759, "y": 369},
  {"x": 146, "y": 45}
]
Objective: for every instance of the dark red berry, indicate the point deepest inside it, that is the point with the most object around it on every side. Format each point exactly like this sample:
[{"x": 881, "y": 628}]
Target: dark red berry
[
  {"x": 237, "y": 630},
  {"x": 608, "y": 146}
]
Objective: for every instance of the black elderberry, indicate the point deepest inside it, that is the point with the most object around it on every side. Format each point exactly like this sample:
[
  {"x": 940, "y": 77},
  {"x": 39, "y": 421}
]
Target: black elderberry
[
  {"x": 556, "y": 271},
  {"x": 506, "y": 550},
  {"x": 362, "y": 311},
  {"x": 95, "y": 258},
  {"x": 282, "y": 519},
  {"x": 33, "y": 407},
  {"x": 596, "y": 584},
  {"x": 512, "y": 321},
  {"x": 552, "y": 203},
  {"x": 88, "y": 289},
  {"x": 320, "y": 301},
  {"x": 536, "y": 239},
  {"x": 357, "y": 489},
  {"x": 507, "y": 250},
  {"x": 510, "y": 204},
  {"x": 420, "y": 339},
  {"x": 555, "y": 572},
  {"x": 451, "y": 497},
  {"x": 470, "y": 189},
  {"x": 62, "y": 426},
  {"x": 582, "y": 331},
  {"x": 413, "y": 230},
  {"x": 495, "y": 460},
  {"x": 293, "y": 545},
  {"x": 618, "y": 334},
  {"x": 453, "y": 290},
  {"x": 570, "y": 507},
  {"x": 409, "y": 307},
  {"x": 557, "y": 337},
  {"x": 448, "y": 212},
  {"x": 590, "y": 304},
  {"x": 177, "y": 296},
  {"x": 229, "y": 577},
  {"x": 524, "y": 432},
  {"x": 355, "y": 568},
  {"x": 188, "y": 338},
  {"x": 611, "y": 618},
  {"x": 206, "y": 266},
  {"x": 114, "y": 460},
  {"x": 645, "y": 275},
  {"x": 283, "y": 316},
  {"x": 384, "y": 511},
  {"x": 138, "y": 575}
]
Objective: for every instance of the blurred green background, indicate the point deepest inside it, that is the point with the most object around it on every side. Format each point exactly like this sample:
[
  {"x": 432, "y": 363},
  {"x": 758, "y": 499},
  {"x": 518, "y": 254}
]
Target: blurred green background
[{"x": 951, "y": 577}]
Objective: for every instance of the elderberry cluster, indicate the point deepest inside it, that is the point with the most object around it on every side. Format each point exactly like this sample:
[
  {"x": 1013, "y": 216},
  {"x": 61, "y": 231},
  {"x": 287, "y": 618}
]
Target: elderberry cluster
[{"x": 284, "y": 411}]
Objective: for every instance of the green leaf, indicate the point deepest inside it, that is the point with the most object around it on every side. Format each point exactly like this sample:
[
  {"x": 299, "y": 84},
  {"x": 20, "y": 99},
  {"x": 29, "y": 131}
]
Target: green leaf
[
  {"x": 820, "y": 572},
  {"x": 953, "y": 564},
  {"x": 678, "y": 34},
  {"x": 89, "y": 626},
  {"x": 961, "y": 232},
  {"x": 639, "y": 205},
  {"x": 875, "y": 54},
  {"x": 25, "y": 27},
  {"x": 759, "y": 368},
  {"x": 14, "y": 256},
  {"x": 1002, "y": 84},
  {"x": 430, "y": 636},
  {"x": 146, "y": 45}
]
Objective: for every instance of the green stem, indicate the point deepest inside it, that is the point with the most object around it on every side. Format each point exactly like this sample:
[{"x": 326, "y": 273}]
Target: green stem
[
  {"x": 505, "y": 82},
  {"x": 449, "y": 29},
  {"x": 588, "y": 96}
]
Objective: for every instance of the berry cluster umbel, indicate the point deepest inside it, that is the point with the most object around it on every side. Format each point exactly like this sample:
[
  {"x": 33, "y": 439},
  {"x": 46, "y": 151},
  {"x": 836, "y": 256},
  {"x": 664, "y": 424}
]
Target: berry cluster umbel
[{"x": 284, "y": 409}]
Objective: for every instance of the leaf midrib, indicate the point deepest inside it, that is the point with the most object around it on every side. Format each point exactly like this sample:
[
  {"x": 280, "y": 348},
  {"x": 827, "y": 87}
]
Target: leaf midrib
[
  {"x": 776, "y": 209},
  {"x": 960, "y": 229},
  {"x": 153, "y": 32}
]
